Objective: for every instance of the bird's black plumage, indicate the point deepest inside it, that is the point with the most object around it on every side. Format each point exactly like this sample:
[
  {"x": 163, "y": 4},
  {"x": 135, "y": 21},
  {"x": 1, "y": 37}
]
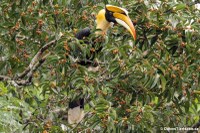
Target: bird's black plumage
[
  {"x": 93, "y": 44},
  {"x": 87, "y": 51},
  {"x": 81, "y": 36},
  {"x": 83, "y": 33},
  {"x": 76, "y": 103}
]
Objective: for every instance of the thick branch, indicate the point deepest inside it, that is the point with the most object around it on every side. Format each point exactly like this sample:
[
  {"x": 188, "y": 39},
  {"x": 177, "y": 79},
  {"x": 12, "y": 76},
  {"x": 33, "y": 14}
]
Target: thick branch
[
  {"x": 35, "y": 63},
  {"x": 35, "y": 59},
  {"x": 4, "y": 78},
  {"x": 30, "y": 73},
  {"x": 9, "y": 80},
  {"x": 40, "y": 52}
]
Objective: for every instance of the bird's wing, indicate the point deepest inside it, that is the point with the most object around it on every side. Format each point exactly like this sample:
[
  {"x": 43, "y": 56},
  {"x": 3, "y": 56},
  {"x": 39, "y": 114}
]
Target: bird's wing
[{"x": 83, "y": 33}]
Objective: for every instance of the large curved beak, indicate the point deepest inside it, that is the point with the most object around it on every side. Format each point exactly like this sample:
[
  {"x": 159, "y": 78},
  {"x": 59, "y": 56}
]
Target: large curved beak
[{"x": 126, "y": 22}]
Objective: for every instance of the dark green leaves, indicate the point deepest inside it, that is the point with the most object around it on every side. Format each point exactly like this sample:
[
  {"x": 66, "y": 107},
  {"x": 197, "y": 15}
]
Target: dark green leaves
[{"x": 179, "y": 7}]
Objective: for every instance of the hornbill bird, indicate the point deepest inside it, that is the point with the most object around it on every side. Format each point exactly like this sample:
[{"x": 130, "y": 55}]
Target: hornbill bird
[{"x": 104, "y": 20}]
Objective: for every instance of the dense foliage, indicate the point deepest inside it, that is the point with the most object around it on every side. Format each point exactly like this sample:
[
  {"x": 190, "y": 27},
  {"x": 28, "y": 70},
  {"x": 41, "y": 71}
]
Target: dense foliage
[{"x": 142, "y": 85}]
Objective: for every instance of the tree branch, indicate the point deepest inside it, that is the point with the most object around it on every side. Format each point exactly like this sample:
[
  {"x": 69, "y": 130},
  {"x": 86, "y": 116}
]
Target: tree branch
[
  {"x": 30, "y": 73},
  {"x": 4, "y": 78},
  {"x": 9, "y": 80},
  {"x": 35, "y": 63},
  {"x": 35, "y": 59}
]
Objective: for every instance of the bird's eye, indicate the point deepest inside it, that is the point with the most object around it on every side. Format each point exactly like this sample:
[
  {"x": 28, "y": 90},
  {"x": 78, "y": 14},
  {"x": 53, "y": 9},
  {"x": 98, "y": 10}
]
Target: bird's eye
[{"x": 110, "y": 13}]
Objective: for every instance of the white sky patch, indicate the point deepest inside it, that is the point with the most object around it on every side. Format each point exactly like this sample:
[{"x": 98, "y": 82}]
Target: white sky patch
[
  {"x": 197, "y": 6},
  {"x": 63, "y": 127},
  {"x": 156, "y": 4},
  {"x": 173, "y": 21},
  {"x": 189, "y": 27}
]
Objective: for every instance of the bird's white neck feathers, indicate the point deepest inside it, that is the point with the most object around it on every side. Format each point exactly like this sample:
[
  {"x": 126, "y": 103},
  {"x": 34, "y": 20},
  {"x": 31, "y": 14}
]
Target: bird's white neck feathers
[{"x": 101, "y": 22}]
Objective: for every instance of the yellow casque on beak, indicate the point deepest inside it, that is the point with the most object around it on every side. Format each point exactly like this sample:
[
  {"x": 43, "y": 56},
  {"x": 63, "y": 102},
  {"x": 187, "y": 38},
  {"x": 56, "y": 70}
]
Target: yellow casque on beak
[
  {"x": 122, "y": 18},
  {"x": 116, "y": 9},
  {"x": 126, "y": 22}
]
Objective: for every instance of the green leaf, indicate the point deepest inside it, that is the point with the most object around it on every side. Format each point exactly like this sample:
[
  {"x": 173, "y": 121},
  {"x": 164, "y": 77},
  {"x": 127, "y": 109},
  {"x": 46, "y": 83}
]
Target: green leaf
[
  {"x": 3, "y": 89},
  {"x": 187, "y": 106},
  {"x": 180, "y": 7},
  {"x": 157, "y": 76},
  {"x": 163, "y": 82}
]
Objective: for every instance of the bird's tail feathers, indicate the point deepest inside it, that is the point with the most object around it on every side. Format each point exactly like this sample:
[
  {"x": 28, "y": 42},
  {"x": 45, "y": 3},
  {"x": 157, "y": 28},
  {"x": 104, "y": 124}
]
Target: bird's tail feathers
[{"x": 75, "y": 115}]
